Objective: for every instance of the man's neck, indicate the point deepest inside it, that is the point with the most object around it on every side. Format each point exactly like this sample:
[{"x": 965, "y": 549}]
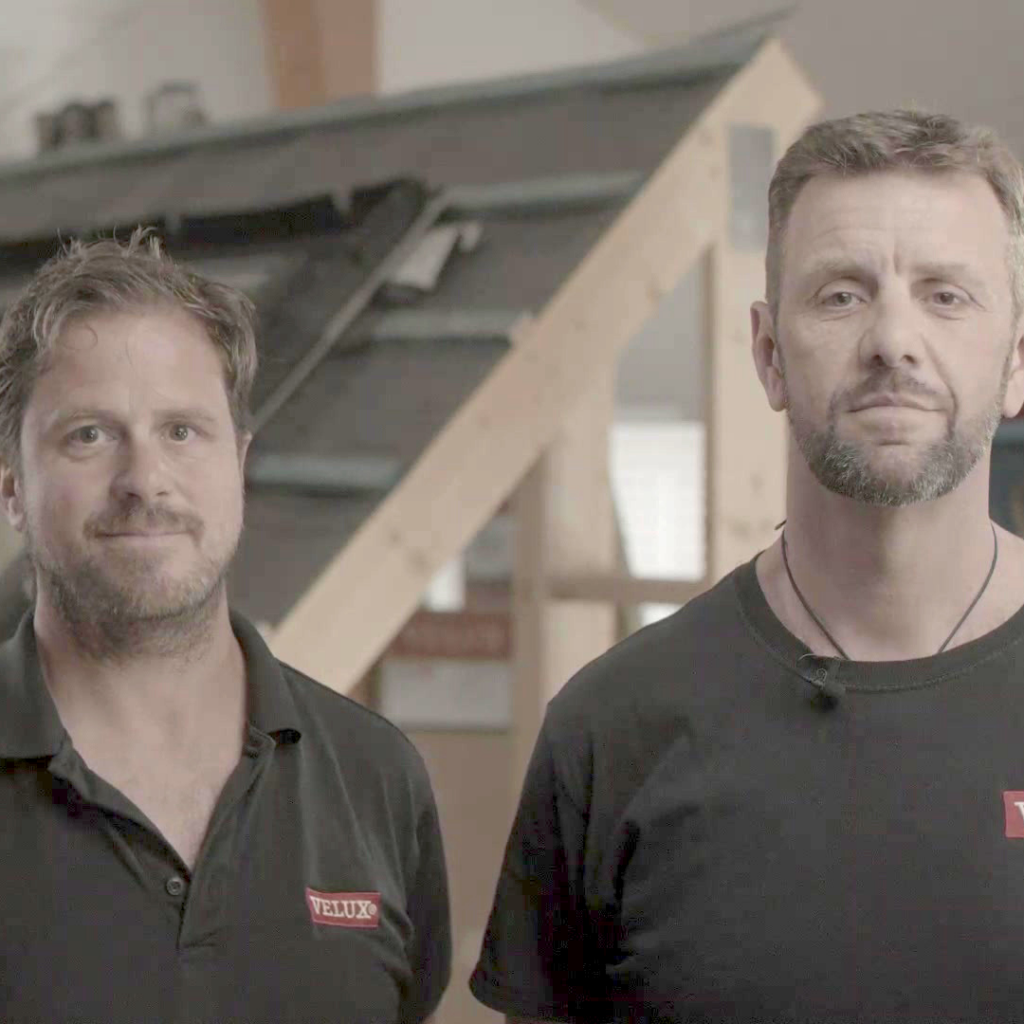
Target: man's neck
[
  {"x": 891, "y": 583},
  {"x": 171, "y": 700}
]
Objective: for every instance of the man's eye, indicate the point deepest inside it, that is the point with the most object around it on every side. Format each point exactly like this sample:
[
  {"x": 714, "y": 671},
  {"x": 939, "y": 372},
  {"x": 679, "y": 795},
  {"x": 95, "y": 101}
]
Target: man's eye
[
  {"x": 181, "y": 432},
  {"x": 946, "y": 298},
  {"x": 89, "y": 434},
  {"x": 840, "y": 300}
]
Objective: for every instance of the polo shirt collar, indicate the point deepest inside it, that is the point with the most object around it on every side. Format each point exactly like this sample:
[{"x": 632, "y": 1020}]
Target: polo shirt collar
[
  {"x": 29, "y": 723},
  {"x": 271, "y": 705},
  {"x": 31, "y": 727}
]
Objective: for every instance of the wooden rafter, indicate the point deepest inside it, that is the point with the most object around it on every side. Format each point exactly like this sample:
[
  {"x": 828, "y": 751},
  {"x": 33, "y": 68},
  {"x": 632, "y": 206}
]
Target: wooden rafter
[{"x": 369, "y": 589}]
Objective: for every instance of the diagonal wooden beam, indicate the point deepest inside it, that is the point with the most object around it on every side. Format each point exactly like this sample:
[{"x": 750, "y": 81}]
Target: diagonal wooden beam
[{"x": 370, "y": 588}]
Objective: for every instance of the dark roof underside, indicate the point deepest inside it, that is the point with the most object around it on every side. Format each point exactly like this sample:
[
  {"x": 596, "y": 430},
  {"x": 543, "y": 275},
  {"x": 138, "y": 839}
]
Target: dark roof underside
[{"x": 371, "y": 397}]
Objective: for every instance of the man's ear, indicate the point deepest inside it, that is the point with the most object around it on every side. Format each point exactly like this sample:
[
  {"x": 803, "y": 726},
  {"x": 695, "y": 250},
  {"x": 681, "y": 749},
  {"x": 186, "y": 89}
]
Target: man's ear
[
  {"x": 767, "y": 355},
  {"x": 11, "y": 496}
]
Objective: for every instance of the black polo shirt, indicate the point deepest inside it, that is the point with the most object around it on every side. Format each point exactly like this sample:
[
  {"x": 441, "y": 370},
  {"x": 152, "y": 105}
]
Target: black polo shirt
[{"x": 319, "y": 894}]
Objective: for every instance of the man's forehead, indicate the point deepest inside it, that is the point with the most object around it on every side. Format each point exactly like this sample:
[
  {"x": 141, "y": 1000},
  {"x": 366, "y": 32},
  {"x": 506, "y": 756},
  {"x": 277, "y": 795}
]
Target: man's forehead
[
  {"x": 849, "y": 200},
  {"x": 117, "y": 360},
  {"x": 157, "y": 341},
  {"x": 944, "y": 218}
]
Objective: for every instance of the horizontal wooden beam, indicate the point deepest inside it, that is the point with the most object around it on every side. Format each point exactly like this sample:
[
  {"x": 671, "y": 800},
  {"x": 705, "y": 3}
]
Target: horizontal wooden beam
[{"x": 625, "y": 590}]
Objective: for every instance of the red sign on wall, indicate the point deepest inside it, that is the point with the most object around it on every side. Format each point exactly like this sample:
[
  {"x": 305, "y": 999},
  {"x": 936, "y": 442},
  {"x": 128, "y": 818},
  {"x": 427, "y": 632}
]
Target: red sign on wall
[{"x": 481, "y": 636}]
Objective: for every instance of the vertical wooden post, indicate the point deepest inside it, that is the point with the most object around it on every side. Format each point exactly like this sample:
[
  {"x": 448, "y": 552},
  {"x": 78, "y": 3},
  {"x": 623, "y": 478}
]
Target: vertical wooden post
[
  {"x": 319, "y": 50},
  {"x": 746, "y": 440},
  {"x": 565, "y": 526},
  {"x": 530, "y": 573}
]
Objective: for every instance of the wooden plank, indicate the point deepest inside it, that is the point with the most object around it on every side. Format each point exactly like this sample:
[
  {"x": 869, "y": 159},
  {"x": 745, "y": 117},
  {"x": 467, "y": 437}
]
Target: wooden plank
[
  {"x": 529, "y": 602},
  {"x": 554, "y": 638},
  {"x": 348, "y": 47},
  {"x": 370, "y": 588},
  {"x": 625, "y": 590},
  {"x": 319, "y": 50},
  {"x": 746, "y": 455},
  {"x": 581, "y": 534}
]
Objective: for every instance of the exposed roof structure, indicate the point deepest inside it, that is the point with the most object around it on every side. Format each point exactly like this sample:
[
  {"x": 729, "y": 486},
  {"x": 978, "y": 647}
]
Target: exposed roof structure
[{"x": 316, "y": 212}]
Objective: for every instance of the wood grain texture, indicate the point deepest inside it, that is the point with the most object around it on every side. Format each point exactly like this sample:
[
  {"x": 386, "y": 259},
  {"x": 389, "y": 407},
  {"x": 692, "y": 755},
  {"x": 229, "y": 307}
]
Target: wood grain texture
[{"x": 369, "y": 589}]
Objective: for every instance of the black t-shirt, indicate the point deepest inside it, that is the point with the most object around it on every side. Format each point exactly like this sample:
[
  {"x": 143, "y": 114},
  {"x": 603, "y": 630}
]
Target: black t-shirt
[
  {"x": 701, "y": 837},
  {"x": 319, "y": 894}
]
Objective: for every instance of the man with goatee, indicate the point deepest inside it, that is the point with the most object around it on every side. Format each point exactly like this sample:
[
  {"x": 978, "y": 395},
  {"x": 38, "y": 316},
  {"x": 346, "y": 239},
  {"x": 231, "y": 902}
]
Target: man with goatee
[{"x": 801, "y": 797}]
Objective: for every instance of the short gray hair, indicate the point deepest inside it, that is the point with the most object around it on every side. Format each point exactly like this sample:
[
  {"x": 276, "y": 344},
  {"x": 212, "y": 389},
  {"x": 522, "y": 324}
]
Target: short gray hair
[
  {"x": 895, "y": 140},
  {"x": 107, "y": 276}
]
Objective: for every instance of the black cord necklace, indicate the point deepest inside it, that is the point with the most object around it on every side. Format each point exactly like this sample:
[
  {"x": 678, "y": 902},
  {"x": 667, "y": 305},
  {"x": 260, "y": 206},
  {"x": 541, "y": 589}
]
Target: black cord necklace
[{"x": 821, "y": 625}]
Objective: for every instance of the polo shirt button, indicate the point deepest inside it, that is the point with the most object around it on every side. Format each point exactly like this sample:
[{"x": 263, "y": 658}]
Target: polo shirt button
[{"x": 175, "y": 886}]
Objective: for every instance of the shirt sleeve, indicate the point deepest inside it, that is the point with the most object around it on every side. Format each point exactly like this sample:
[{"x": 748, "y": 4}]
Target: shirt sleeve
[
  {"x": 430, "y": 945},
  {"x": 540, "y": 956}
]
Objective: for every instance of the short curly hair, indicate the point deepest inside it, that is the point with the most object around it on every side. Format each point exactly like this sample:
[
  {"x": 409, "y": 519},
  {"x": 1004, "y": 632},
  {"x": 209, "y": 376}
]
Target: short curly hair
[
  {"x": 895, "y": 140},
  {"x": 108, "y": 276}
]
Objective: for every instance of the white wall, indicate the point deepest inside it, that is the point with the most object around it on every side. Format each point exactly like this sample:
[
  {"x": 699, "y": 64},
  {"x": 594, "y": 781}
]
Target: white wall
[
  {"x": 53, "y": 51},
  {"x": 947, "y": 55},
  {"x": 430, "y": 43}
]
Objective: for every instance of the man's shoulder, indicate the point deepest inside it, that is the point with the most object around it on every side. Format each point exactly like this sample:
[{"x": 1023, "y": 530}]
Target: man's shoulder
[
  {"x": 658, "y": 662},
  {"x": 344, "y": 724}
]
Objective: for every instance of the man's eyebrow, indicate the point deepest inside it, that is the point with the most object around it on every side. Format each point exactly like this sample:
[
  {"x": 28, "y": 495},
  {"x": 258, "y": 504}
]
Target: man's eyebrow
[
  {"x": 951, "y": 270},
  {"x": 189, "y": 412},
  {"x": 829, "y": 267},
  {"x": 826, "y": 267}
]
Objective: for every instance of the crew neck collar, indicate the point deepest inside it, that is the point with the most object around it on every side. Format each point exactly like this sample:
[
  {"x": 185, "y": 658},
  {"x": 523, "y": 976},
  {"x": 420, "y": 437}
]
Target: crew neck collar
[{"x": 868, "y": 676}]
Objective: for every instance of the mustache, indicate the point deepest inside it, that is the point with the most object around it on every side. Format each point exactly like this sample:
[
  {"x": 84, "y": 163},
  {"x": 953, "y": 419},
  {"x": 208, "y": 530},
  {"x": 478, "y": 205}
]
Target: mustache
[
  {"x": 136, "y": 516},
  {"x": 891, "y": 382}
]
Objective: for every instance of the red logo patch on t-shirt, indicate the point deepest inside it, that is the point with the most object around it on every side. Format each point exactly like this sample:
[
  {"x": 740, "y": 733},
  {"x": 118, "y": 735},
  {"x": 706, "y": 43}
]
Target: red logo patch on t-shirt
[
  {"x": 1013, "y": 802},
  {"x": 344, "y": 909}
]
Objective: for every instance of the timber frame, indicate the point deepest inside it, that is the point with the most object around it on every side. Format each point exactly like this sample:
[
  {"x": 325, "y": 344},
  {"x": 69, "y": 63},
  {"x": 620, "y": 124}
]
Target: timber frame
[
  {"x": 537, "y": 427},
  {"x": 529, "y": 428}
]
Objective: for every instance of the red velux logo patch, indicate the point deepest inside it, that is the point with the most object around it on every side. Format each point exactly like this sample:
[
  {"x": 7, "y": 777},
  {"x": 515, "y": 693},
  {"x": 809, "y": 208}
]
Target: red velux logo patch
[
  {"x": 345, "y": 909},
  {"x": 1013, "y": 801}
]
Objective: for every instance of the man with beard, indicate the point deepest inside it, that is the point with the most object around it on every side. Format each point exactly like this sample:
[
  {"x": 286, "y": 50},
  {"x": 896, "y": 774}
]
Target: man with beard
[
  {"x": 193, "y": 831},
  {"x": 801, "y": 797}
]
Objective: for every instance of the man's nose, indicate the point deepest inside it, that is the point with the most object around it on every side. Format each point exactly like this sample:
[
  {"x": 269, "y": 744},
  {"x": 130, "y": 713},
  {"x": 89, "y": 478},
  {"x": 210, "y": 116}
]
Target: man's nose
[
  {"x": 142, "y": 471},
  {"x": 894, "y": 333}
]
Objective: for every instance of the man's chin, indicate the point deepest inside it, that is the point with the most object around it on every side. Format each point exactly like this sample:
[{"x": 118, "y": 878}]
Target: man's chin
[
  {"x": 142, "y": 597},
  {"x": 889, "y": 487},
  {"x": 156, "y": 602}
]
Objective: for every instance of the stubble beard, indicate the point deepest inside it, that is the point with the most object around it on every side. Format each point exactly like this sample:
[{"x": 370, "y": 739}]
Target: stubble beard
[
  {"x": 845, "y": 467},
  {"x": 128, "y": 607}
]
